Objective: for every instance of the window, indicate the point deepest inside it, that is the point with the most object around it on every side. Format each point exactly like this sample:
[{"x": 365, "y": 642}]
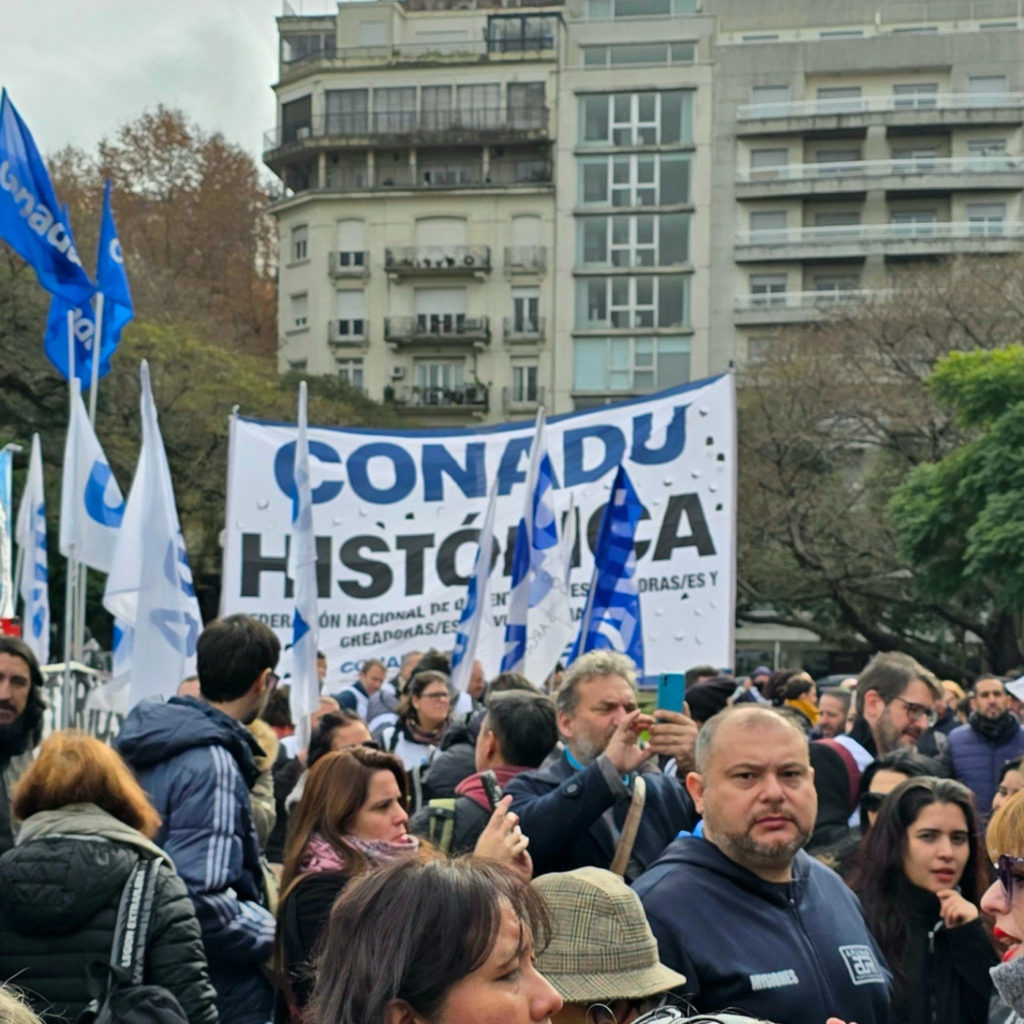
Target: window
[
  {"x": 635, "y": 180},
  {"x": 768, "y": 226},
  {"x": 518, "y": 32},
  {"x": 914, "y": 159},
  {"x": 987, "y": 89},
  {"x": 639, "y": 8},
  {"x": 630, "y": 364},
  {"x": 478, "y": 106},
  {"x": 300, "y": 243},
  {"x": 915, "y": 29},
  {"x": 351, "y": 244},
  {"x": 437, "y": 379},
  {"x": 351, "y": 372},
  {"x": 836, "y": 219},
  {"x": 631, "y": 302},
  {"x": 526, "y": 104},
  {"x": 618, "y": 54},
  {"x": 839, "y": 99},
  {"x": 986, "y": 218},
  {"x": 636, "y": 119},
  {"x": 768, "y": 163},
  {"x": 347, "y": 111},
  {"x": 771, "y": 100},
  {"x": 526, "y": 310},
  {"x": 837, "y": 161},
  {"x": 300, "y": 312},
  {"x": 841, "y": 33},
  {"x": 306, "y": 46},
  {"x": 914, "y": 223},
  {"x": 351, "y": 314},
  {"x": 436, "y": 107},
  {"x": 987, "y": 155},
  {"x": 394, "y": 109},
  {"x": 915, "y": 96},
  {"x": 642, "y": 240},
  {"x": 767, "y": 290},
  {"x": 834, "y": 283},
  {"x": 296, "y": 119},
  {"x": 524, "y": 382}
]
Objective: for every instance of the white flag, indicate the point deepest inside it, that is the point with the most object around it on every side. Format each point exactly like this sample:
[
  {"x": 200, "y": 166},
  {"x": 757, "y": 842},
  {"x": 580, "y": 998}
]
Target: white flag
[
  {"x": 304, "y": 697},
  {"x": 150, "y": 582},
  {"x": 30, "y": 533},
  {"x": 91, "y": 505}
]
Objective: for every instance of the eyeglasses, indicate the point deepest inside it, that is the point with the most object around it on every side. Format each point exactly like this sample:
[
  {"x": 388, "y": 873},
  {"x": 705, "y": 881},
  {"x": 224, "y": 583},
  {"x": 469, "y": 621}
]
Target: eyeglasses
[
  {"x": 870, "y": 802},
  {"x": 1005, "y": 870},
  {"x": 919, "y": 711},
  {"x": 272, "y": 680},
  {"x": 435, "y": 696}
]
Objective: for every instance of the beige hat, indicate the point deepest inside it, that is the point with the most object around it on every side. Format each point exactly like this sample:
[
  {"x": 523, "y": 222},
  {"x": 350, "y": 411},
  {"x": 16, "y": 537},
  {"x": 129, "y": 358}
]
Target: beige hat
[{"x": 602, "y": 947}]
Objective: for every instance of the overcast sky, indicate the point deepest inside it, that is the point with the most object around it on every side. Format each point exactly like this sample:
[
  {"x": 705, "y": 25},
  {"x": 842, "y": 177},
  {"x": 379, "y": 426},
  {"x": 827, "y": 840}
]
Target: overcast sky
[{"x": 78, "y": 69}]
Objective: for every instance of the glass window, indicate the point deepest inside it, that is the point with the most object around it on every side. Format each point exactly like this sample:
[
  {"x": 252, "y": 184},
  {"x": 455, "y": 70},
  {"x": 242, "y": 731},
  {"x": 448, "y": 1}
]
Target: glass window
[
  {"x": 629, "y": 302},
  {"x": 526, "y": 104},
  {"x": 433, "y": 376},
  {"x": 351, "y": 371},
  {"x": 771, "y": 100},
  {"x": 836, "y": 161},
  {"x": 986, "y": 218},
  {"x": 987, "y": 155},
  {"x": 630, "y": 364},
  {"x": 594, "y": 118},
  {"x": 300, "y": 243},
  {"x": 637, "y": 119},
  {"x": 351, "y": 314},
  {"x": 526, "y": 310},
  {"x": 767, "y": 290},
  {"x": 915, "y": 96},
  {"x": 436, "y": 107},
  {"x": 590, "y": 364},
  {"x": 478, "y": 106},
  {"x": 838, "y": 99},
  {"x": 300, "y": 311},
  {"x": 768, "y": 163},
  {"x": 768, "y": 225},
  {"x": 836, "y": 218},
  {"x": 524, "y": 382},
  {"x": 347, "y": 111},
  {"x": 394, "y": 109},
  {"x": 296, "y": 119},
  {"x": 635, "y": 179},
  {"x": 634, "y": 240},
  {"x": 987, "y": 84}
]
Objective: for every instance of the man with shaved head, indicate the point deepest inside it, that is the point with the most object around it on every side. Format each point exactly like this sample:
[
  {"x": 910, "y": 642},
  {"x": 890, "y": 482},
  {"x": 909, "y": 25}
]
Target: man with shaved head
[{"x": 751, "y": 920}]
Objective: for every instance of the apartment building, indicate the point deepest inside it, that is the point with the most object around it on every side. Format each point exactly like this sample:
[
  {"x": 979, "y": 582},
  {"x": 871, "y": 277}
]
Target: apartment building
[{"x": 487, "y": 207}]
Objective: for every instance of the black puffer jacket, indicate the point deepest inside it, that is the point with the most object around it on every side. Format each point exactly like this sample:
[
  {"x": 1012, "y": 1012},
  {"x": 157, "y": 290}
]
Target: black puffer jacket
[{"x": 58, "y": 904}]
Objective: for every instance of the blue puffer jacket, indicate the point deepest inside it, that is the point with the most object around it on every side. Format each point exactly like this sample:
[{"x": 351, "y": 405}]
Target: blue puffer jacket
[
  {"x": 979, "y": 749},
  {"x": 196, "y": 764}
]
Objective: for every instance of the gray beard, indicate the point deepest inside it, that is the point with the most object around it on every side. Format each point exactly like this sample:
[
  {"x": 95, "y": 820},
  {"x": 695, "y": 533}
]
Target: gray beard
[{"x": 751, "y": 854}]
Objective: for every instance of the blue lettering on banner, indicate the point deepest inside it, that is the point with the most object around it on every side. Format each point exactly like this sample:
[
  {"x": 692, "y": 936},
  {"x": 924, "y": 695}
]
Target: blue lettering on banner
[
  {"x": 471, "y": 477},
  {"x": 359, "y": 473},
  {"x": 95, "y": 503},
  {"x": 284, "y": 462}
]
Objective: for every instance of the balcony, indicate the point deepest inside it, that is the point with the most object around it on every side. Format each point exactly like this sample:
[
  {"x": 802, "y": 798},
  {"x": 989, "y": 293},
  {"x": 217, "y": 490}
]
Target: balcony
[
  {"x": 900, "y": 174},
  {"x": 525, "y": 259},
  {"x": 855, "y": 241},
  {"x": 401, "y": 128},
  {"x": 519, "y": 330},
  {"x": 348, "y": 264},
  {"x": 438, "y": 261},
  {"x": 437, "y": 330},
  {"x": 347, "y": 333},
  {"x": 463, "y": 398},
  {"x": 799, "y": 307},
  {"x": 517, "y": 401},
  {"x": 858, "y": 111}
]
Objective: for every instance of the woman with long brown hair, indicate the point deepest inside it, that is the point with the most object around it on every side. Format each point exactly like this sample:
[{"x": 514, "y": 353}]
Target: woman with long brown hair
[{"x": 86, "y": 823}]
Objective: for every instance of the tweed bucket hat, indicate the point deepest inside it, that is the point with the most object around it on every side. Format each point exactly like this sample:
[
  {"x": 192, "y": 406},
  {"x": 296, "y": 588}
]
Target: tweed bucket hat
[{"x": 601, "y": 947}]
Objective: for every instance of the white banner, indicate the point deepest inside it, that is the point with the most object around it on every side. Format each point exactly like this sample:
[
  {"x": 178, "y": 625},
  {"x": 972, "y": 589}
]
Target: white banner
[{"x": 397, "y": 516}]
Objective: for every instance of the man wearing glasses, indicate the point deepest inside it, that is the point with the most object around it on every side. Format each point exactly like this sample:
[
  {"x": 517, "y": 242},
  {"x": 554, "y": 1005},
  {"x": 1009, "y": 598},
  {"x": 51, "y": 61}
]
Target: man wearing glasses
[
  {"x": 895, "y": 702},
  {"x": 196, "y": 761},
  {"x": 979, "y": 749}
]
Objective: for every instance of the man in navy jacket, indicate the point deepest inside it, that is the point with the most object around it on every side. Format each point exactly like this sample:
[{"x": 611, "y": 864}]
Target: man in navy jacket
[
  {"x": 751, "y": 920},
  {"x": 195, "y": 759},
  {"x": 574, "y": 806}
]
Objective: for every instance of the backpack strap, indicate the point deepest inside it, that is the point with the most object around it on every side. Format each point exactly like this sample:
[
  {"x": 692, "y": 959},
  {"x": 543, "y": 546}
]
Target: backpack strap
[
  {"x": 395, "y": 736},
  {"x": 441, "y": 823},
  {"x": 134, "y": 916}
]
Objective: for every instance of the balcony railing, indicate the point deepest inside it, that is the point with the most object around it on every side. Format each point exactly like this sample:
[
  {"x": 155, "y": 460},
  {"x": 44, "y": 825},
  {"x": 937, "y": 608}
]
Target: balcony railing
[
  {"x": 757, "y": 301},
  {"x": 445, "y": 260},
  {"x": 523, "y": 329},
  {"x": 353, "y": 263},
  {"x": 521, "y": 399},
  {"x": 414, "y": 126},
  {"x": 917, "y": 165},
  {"x": 934, "y": 230},
  {"x": 471, "y": 397},
  {"x": 879, "y": 104},
  {"x": 437, "y": 328},
  {"x": 347, "y": 332},
  {"x": 526, "y": 259}
]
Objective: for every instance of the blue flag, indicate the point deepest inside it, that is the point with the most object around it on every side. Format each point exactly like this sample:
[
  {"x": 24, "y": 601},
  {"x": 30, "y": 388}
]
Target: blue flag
[
  {"x": 611, "y": 616},
  {"x": 30, "y": 219},
  {"x": 117, "y": 309}
]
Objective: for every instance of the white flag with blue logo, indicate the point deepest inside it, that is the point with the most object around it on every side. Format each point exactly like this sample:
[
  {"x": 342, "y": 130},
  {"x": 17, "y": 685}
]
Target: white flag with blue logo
[
  {"x": 30, "y": 533},
  {"x": 304, "y": 697},
  {"x": 611, "y": 616},
  {"x": 539, "y": 621},
  {"x": 91, "y": 505},
  {"x": 475, "y": 608},
  {"x": 150, "y": 583},
  {"x": 7, "y": 595}
]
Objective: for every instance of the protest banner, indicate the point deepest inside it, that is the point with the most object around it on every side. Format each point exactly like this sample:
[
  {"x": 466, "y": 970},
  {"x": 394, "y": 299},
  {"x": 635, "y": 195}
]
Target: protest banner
[{"x": 397, "y": 516}]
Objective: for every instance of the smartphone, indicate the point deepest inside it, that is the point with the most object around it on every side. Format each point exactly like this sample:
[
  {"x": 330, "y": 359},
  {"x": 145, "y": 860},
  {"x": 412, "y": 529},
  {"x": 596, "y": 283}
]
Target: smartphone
[
  {"x": 491, "y": 788},
  {"x": 671, "y": 691}
]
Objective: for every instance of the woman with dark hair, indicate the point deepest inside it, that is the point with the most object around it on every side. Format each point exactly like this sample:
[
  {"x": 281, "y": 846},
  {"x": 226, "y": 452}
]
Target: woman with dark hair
[
  {"x": 86, "y": 823},
  {"x": 423, "y": 716},
  {"x": 460, "y": 950},
  {"x": 920, "y": 879},
  {"x": 1011, "y": 780},
  {"x": 799, "y": 694}
]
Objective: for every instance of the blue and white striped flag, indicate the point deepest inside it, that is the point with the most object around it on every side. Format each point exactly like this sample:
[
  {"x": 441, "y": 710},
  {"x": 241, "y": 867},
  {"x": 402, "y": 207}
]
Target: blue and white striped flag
[
  {"x": 475, "y": 608},
  {"x": 31, "y": 536},
  {"x": 611, "y": 616},
  {"x": 538, "y": 626},
  {"x": 304, "y": 697}
]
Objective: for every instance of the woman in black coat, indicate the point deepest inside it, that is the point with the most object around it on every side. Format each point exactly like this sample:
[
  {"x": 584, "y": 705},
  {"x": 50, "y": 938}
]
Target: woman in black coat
[
  {"x": 920, "y": 878},
  {"x": 85, "y": 825}
]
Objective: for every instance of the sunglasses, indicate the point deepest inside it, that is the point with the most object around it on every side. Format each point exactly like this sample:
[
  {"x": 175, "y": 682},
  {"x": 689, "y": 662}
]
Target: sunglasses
[
  {"x": 1005, "y": 870},
  {"x": 272, "y": 680}
]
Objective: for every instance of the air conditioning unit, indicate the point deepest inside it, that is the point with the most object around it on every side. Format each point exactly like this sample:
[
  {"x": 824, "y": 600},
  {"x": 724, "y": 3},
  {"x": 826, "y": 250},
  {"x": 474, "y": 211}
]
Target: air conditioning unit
[{"x": 397, "y": 372}]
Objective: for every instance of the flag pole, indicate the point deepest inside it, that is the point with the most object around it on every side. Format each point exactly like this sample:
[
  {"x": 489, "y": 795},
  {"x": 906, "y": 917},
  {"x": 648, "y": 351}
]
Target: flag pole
[{"x": 71, "y": 569}]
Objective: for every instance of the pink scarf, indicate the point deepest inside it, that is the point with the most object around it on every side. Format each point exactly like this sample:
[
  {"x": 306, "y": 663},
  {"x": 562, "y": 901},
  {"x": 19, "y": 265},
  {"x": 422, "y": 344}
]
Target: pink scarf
[{"x": 320, "y": 855}]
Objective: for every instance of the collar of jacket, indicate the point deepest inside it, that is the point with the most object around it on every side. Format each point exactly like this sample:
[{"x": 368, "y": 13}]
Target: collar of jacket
[{"x": 995, "y": 730}]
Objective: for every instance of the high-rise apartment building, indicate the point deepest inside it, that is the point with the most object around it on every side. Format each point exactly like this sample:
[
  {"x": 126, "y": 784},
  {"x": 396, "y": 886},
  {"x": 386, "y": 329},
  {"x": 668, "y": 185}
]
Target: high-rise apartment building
[{"x": 489, "y": 207}]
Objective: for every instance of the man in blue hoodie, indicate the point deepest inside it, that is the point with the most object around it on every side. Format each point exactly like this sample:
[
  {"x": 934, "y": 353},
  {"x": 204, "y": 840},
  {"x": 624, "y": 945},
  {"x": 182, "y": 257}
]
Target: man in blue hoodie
[
  {"x": 195, "y": 759},
  {"x": 751, "y": 920}
]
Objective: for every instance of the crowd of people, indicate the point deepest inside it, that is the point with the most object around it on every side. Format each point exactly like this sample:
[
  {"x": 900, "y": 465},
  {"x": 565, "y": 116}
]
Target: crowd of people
[{"x": 518, "y": 852}]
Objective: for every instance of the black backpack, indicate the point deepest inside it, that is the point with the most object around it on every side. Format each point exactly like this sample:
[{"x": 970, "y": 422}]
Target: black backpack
[{"x": 119, "y": 996}]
